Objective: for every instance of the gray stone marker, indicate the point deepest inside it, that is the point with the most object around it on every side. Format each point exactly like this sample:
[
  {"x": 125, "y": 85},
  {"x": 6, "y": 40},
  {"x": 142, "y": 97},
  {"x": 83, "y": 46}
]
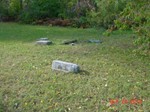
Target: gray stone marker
[
  {"x": 43, "y": 41},
  {"x": 65, "y": 66},
  {"x": 69, "y": 42},
  {"x": 94, "y": 41}
]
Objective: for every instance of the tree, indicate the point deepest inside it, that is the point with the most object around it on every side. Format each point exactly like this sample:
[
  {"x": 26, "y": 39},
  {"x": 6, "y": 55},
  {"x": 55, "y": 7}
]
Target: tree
[
  {"x": 106, "y": 12},
  {"x": 136, "y": 16}
]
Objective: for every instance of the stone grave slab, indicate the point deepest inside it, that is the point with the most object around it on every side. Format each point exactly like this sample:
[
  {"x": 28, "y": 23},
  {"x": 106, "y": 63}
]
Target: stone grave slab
[
  {"x": 43, "y": 41},
  {"x": 94, "y": 41},
  {"x": 69, "y": 42},
  {"x": 65, "y": 66}
]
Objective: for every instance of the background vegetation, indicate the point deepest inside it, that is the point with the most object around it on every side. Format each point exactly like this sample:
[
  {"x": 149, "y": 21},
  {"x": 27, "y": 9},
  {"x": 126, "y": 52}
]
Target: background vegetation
[{"x": 110, "y": 14}]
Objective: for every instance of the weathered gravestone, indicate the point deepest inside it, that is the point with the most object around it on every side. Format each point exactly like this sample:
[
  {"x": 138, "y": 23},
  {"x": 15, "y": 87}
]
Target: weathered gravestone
[
  {"x": 43, "y": 41},
  {"x": 94, "y": 41},
  {"x": 65, "y": 66},
  {"x": 70, "y": 42}
]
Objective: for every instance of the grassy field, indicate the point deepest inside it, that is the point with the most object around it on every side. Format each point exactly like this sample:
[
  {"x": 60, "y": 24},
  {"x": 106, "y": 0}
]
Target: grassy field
[{"x": 109, "y": 71}]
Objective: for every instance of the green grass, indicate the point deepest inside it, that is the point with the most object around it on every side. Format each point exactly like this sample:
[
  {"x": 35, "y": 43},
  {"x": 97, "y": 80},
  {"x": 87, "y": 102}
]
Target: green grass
[{"x": 109, "y": 71}]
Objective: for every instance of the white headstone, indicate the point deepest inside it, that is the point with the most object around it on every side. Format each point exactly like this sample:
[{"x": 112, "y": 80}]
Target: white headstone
[
  {"x": 65, "y": 66},
  {"x": 43, "y": 39},
  {"x": 43, "y": 42}
]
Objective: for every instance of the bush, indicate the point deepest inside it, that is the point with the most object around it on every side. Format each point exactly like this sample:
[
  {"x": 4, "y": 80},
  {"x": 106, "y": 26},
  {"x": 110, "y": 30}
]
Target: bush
[
  {"x": 3, "y": 9},
  {"x": 106, "y": 12},
  {"x": 136, "y": 17}
]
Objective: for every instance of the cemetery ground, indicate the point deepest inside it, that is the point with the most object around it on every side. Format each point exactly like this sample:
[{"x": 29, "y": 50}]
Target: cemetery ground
[{"x": 110, "y": 71}]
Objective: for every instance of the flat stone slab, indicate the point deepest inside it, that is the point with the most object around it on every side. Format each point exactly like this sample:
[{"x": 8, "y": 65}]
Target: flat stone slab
[
  {"x": 43, "y": 39},
  {"x": 43, "y": 42},
  {"x": 69, "y": 42},
  {"x": 65, "y": 66},
  {"x": 94, "y": 41}
]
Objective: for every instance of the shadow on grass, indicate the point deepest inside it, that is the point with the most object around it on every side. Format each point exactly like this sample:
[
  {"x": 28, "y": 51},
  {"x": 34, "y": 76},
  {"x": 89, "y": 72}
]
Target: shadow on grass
[{"x": 84, "y": 72}]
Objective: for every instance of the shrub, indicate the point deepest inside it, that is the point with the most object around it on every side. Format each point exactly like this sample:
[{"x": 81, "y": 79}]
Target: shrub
[
  {"x": 106, "y": 12},
  {"x": 136, "y": 17}
]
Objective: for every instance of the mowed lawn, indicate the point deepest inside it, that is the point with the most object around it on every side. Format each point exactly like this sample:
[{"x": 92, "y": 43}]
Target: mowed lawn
[{"x": 110, "y": 71}]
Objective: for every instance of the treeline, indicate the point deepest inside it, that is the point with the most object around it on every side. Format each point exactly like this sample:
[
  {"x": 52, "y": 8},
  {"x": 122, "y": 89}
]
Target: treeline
[
  {"x": 110, "y": 14},
  {"x": 83, "y": 13},
  {"x": 30, "y": 10}
]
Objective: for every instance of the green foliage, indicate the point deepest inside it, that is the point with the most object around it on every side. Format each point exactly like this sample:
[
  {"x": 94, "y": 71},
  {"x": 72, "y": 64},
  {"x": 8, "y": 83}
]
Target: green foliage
[
  {"x": 106, "y": 12},
  {"x": 81, "y": 22},
  {"x": 136, "y": 16},
  {"x": 14, "y": 8},
  {"x": 27, "y": 11},
  {"x": 10, "y": 8},
  {"x": 38, "y": 9},
  {"x": 3, "y": 8}
]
